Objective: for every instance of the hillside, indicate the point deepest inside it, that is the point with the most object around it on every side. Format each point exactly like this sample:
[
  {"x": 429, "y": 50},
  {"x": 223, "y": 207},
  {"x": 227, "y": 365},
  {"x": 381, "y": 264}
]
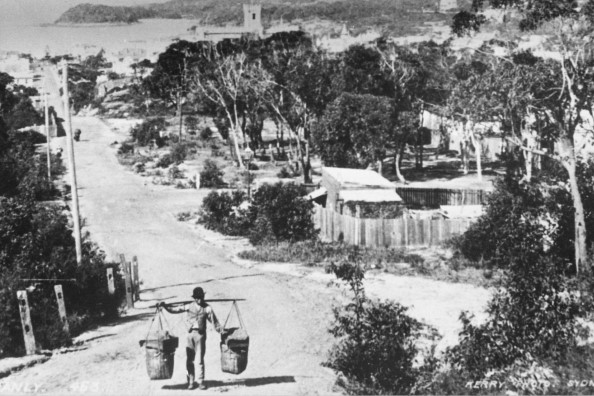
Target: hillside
[
  {"x": 91, "y": 13},
  {"x": 395, "y": 17}
]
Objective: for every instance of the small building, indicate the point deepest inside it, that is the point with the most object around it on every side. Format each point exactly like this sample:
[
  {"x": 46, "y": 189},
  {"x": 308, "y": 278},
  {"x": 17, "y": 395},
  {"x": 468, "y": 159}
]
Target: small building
[{"x": 357, "y": 191}]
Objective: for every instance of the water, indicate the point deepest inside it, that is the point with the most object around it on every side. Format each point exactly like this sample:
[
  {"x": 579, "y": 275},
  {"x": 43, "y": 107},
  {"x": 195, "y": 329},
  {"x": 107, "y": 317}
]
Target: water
[{"x": 152, "y": 35}]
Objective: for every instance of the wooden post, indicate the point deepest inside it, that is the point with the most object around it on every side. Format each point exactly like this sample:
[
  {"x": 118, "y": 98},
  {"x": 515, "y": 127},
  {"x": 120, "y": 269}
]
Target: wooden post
[
  {"x": 110, "y": 281},
  {"x": 62, "y": 308},
  {"x": 30, "y": 346},
  {"x": 128, "y": 280},
  {"x": 135, "y": 278},
  {"x": 71, "y": 162},
  {"x": 47, "y": 135}
]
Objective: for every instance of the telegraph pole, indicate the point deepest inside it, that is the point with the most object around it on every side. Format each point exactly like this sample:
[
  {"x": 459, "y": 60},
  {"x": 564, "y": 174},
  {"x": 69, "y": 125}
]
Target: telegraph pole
[
  {"x": 70, "y": 146},
  {"x": 47, "y": 133}
]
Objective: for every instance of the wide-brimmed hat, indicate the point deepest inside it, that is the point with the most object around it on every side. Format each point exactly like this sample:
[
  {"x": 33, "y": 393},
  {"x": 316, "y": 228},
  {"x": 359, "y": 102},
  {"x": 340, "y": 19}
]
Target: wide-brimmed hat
[{"x": 198, "y": 292}]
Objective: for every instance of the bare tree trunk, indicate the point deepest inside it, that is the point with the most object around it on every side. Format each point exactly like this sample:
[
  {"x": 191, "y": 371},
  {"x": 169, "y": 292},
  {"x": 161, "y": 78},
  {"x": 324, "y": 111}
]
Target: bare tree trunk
[
  {"x": 181, "y": 114},
  {"x": 464, "y": 155},
  {"x": 397, "y": 160},
  {"x": 477, "y": 148},
  {"x": 306, "y": 164},
  {"x": 569, "y": 163}
]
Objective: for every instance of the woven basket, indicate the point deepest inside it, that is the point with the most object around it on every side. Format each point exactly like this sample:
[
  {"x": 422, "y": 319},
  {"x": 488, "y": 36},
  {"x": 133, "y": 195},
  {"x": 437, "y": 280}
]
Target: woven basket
[
  {"x": 235, "y": 343},
  {"x": 160, "y": 349},
  {"x": 233, "y": 360}
]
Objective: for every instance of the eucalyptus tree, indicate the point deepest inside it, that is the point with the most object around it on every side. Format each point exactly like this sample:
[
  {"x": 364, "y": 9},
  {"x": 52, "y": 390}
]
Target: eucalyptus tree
[
  {"x": 228, "y": 83},
  {"x": 417, "y": 77},
  {"x": 303, "y": 83},
  {"x": 354, "y": 130},
  {"x": 569, "y": 29}
]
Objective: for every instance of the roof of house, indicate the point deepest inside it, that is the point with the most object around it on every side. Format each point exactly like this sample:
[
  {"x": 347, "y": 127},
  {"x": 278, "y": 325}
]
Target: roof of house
[
  {"x": 358, "y": 178},
  {"x": 369, "y": 195}
]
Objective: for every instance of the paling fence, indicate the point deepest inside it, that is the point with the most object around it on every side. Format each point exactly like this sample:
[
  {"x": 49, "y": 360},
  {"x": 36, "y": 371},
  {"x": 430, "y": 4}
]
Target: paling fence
[
  {"x": 435, "y": 197},
  {"x": 400, "y": 232}
]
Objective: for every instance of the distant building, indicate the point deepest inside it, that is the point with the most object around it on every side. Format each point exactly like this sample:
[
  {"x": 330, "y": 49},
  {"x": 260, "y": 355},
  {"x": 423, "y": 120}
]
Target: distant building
[{"x": 252, "y": 26}]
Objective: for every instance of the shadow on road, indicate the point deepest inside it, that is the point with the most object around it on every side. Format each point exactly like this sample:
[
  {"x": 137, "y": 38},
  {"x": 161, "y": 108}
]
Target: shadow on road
[
  {"x": 130, "y": 318},
  {"x": 283, "y": 379},
  {"x": 198, "y": 282}
]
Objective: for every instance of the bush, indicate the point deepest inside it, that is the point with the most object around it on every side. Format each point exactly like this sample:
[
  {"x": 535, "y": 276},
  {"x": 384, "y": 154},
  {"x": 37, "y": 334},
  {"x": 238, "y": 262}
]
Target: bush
[
  {"x": 36, "y": 242},
  {"x": 138, "y": 167},
  {"x": 520, "y": 219},
  {"x": 211, "y": 175},
  {"x": 222, "y": 212},
  {"x": 191, "y": 124},
  {"x": 206, "y": 133},
  {"x": 149, "y": 130},
  {"x": 175, "y": 173},
  {"x": 125, "y": 148},
  {"x": 164, "y": 161},
  {"x": 178, "y": 153},
  {"x": 377, "y": 347},
  {"x": 288, "y": 215},
  {"x": 534, "y": 315}
]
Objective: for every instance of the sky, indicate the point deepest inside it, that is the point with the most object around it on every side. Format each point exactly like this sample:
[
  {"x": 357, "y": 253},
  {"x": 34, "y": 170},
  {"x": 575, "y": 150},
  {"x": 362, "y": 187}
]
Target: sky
[{"x": 25, "y": 12}]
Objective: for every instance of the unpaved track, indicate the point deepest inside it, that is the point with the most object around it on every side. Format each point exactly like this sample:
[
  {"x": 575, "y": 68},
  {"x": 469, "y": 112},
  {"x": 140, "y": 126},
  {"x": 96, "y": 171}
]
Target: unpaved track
[
  {"x": 286, "y": 317},
  {"x": 286, "y": 313}
]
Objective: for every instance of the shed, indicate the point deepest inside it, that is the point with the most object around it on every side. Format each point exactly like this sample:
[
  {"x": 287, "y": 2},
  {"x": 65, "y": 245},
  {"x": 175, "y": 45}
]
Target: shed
[{"x": 357, "y": 187}]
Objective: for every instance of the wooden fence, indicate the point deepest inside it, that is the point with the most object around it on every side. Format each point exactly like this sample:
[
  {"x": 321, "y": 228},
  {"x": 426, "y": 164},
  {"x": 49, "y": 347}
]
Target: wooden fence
[
  {"x": 435, "y": 197},
  {"x": 400, "y": 232}
]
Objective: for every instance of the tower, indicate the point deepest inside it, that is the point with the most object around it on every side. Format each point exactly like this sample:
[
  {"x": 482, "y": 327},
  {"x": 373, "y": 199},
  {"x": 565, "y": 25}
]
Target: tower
[{"x": 252, "y": 18}]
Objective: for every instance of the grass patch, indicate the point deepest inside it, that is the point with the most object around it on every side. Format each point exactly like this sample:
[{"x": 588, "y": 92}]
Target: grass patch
[
  {"x": 316, "y": 252},
  {"x": 422, "y": 262}
]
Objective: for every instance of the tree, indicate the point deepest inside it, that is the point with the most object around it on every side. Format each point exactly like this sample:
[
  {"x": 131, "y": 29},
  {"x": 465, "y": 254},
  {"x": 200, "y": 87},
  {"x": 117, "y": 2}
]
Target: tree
[
  {"x": 303, "y": 85},
  {"x": 230, "y": 83},
  {"x": 354, "y": 130},
  {"x": 171, "y": 75},
  {"x": 418, "y": 78},
  {"x": 562, "y": 111}
]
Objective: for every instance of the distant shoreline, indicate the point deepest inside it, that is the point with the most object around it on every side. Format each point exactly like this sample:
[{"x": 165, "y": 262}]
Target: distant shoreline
[{"x": 87, "y": 25}]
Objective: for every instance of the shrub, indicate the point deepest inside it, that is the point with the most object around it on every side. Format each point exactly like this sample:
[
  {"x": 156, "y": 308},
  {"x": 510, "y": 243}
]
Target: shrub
[
  {"x": 206, "y": 133},
  {"x": 377, "y": 340},
  {"x": 164, "y": 161},
  {"x": 178, "y": 153},
  {"x": 534, "y": 315},
  {"x": 520, "y": 219},
  {"x": 125, "y": 148},
  {"x": 211, "y": 175},
  {"x": 138, "y": 167},
  {"x": 149, "y": 130},
  {"x": 288, "y": 214},
  {"x": 191, "y": 124},
  {"x": 36, "y": 242},
  {"x": 175, "y": 173},
  {"x": 221, "y": 212}
]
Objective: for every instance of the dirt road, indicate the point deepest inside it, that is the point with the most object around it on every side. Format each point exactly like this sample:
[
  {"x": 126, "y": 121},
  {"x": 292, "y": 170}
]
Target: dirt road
[{"x": 286, "y": 315}]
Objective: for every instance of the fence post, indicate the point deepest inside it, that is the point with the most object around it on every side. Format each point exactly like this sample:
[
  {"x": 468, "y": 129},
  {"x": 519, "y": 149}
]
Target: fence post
[
  {"x": 135, "y": 278},
  {"x": 128, "y": 280},
  {"x": 110, "y": 281},
  {"x": 62, "y": 308},
  {"x": 28, "y": 335}
]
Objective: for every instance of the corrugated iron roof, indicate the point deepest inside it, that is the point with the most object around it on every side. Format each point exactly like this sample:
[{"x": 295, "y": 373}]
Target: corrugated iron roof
[
  {"x": 369, "y": 195},
  {"x": 352, "y": 178}
]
